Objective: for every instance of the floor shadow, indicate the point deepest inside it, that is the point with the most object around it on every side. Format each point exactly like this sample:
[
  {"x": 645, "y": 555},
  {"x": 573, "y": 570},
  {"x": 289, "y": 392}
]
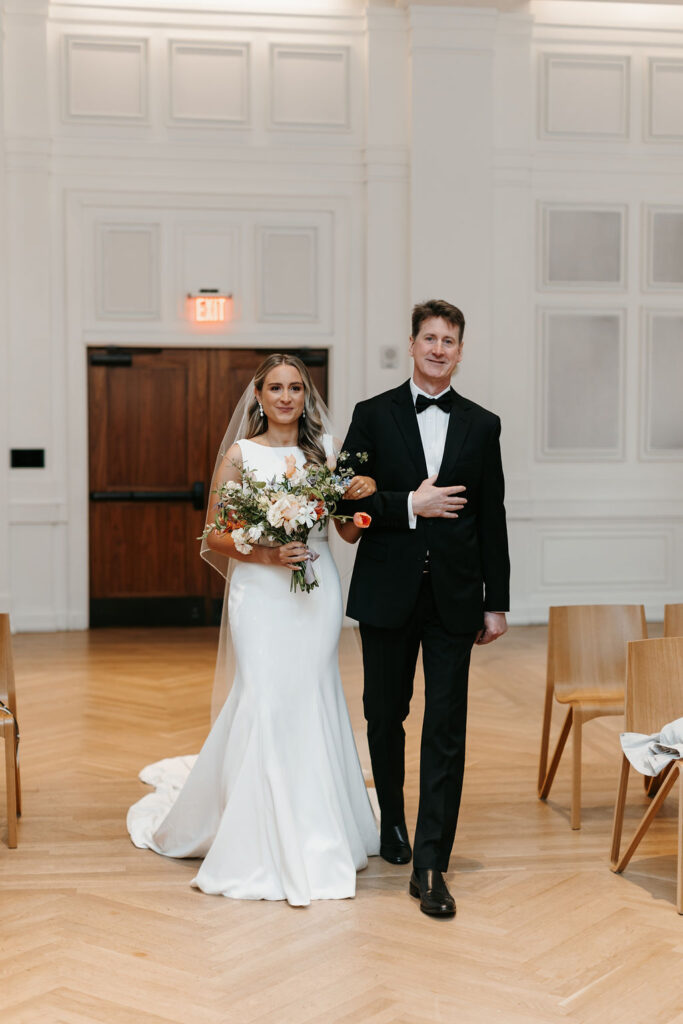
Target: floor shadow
[{"x": 654, "y": 875}]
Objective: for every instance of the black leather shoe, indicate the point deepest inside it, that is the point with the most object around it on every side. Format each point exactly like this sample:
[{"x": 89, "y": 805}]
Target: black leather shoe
[
  {"x": 429, "y": 887},
  {"x": 394, "y": 846}
]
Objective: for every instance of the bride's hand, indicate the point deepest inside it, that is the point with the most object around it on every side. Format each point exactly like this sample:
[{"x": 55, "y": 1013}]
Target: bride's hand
[
  {"x": 360, "y": 487},
  {"x": 290, "y": 556}
]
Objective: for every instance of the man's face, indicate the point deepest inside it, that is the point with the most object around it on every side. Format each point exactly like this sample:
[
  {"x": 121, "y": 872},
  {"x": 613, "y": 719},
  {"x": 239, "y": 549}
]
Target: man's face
[{"x": 437, "y": 349}]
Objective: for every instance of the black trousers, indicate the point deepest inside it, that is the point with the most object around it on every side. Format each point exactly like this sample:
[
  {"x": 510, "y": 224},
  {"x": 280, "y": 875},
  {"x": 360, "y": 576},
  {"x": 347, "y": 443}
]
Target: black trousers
[{"x": 389, "y": 660}]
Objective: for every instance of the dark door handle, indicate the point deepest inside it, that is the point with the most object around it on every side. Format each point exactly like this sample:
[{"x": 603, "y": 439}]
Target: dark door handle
[{"x": 195, "y": 495}]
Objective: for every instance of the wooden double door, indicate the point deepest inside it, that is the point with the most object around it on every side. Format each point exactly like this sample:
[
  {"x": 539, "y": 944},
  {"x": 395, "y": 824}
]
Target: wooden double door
[{"x": 156, "y": 419}]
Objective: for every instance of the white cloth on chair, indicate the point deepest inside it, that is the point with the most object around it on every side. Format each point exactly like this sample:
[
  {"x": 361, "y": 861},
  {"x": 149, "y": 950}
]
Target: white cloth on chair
[{"x": 651, "y": 754}]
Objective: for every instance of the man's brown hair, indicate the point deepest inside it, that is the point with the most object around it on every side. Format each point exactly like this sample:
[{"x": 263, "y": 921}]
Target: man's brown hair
[{"x": 437, "y": 307}]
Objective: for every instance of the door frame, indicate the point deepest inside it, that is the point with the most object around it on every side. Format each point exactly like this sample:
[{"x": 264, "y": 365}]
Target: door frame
[{"x": 345, "y": 343}]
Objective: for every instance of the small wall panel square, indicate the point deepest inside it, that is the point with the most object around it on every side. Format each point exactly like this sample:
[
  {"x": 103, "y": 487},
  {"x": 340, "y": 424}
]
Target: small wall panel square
[
  {"x": 209, "y": 83},
  {"x": 287, "y": 274},
  {"x": 664, "y": 249},
  {"x": 665, "y": 108},
  {"x": 581, "y": 386},
  {"x": 128, "y": 272},
  {"x": 583, "y": 247},
  {"x": 309, "y": 87},
  {"x": 584, "y": 97},
  {"x": 585, "y": 559},
  {"x": 664, "y": 386},
  {"x": 210, "y": 259},
  {"x": 105, "y": 79}
]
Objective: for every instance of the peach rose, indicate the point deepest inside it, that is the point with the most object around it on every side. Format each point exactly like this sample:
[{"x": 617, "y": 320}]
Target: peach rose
[{"x": 362, "y": 520}]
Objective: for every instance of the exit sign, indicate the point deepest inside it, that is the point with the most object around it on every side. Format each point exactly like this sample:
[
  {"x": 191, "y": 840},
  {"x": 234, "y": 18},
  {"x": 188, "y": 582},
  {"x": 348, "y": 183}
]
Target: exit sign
[{"x": 210, "y": 309}]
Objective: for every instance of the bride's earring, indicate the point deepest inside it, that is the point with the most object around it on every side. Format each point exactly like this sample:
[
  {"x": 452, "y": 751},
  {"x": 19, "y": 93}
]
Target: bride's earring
[
  {"x": 303, "y": 414},
  {"x": 260, "y": 410}
]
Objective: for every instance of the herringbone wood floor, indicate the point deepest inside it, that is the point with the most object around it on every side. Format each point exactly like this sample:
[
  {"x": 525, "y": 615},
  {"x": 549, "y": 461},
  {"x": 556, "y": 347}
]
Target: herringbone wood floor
[{"x": 93, "y": 930}]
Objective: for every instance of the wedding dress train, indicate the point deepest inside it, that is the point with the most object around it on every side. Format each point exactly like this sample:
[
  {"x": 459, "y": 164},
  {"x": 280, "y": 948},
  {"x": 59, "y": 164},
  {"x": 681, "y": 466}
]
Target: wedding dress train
[{"x": 275, "y": 803}]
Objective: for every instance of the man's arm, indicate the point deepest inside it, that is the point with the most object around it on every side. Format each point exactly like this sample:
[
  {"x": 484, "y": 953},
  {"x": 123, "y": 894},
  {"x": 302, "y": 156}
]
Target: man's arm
[
  {"x": 493, "y": 543},
  {"x": 492, "y": 528}
]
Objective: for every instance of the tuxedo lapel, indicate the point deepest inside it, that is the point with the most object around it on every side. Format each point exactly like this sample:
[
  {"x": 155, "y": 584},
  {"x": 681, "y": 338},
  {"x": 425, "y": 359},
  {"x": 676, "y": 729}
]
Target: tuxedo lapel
[
  {"x": 458, "y": 427},
  {"x": 404, "y": 413}
]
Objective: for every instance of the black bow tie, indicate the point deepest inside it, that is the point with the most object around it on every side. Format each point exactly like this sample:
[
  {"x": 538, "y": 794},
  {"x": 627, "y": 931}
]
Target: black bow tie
[{"x": 444, "y": 402}]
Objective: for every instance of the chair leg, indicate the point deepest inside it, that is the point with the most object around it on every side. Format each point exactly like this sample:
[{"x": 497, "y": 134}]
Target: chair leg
[
  {"x": 646, "y": 821},
  {"x": 653, "y": 783},
  {"x": 618, "y": 822},
  {"x": 679, "y": 879},
  {"x": 545, "y": 738},
  {"x": 577, "y": 723},
  {"x": 11, "y": 785},
  {"x": 17, "y": 775},
  {"x": 550, "y": 777}
]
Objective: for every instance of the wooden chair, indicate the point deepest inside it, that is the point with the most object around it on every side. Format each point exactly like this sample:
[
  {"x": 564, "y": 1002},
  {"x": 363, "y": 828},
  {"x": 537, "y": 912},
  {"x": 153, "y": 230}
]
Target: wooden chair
[
  {"x": 9, "y": 730},
  {"x": 673, "y": 620},
  {"x": 654, "y": 697},
  {"x": 587, "y": 671}
]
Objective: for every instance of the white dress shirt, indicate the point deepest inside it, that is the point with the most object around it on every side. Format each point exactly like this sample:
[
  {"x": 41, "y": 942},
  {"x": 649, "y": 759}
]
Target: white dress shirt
[{"x": 433, "y": 424}]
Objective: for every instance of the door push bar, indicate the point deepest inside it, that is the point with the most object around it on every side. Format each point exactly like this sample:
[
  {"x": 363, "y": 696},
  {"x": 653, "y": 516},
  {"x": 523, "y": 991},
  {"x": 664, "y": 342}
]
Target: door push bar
[{"x": 195, "y": 495}]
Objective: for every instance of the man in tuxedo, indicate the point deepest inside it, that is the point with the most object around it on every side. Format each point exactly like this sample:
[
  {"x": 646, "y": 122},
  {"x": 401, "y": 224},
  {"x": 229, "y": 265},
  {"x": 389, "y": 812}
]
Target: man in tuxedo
[{"x": 432, "y": 571}]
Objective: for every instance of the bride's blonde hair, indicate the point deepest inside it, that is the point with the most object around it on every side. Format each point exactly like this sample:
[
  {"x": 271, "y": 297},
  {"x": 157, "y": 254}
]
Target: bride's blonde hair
[{"x": 310, "y": 424}]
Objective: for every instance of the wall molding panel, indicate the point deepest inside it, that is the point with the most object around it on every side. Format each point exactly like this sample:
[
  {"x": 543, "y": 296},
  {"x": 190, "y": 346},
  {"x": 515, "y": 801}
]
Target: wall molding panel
[
  {"x": 661, "y": 389},
  {"x": 127, "y": 271},
  {"x": 664, "y": 121},
  {"x": 580, "y": 382},
  {"x": 607, "y": 557},
  {"x": 209, "y": 83},
  {"x": 105, "y": 80},
  {"x": 663, "y": 251},
  {"x": 584, "y": 96},
  {"x": 287, "y": 274},
  {"x": 310, "y": 88},
  {"x": 582, "y": 247}
]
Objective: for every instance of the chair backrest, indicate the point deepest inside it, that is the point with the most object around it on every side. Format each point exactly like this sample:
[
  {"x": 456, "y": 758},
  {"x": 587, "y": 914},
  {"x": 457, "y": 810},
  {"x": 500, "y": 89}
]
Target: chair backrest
[
  {"x": 673, "y": 620},
  {"x": 7, "y": 690},
  {"x": 587, "y": 644},
  {"x": 654, "y": 683}
]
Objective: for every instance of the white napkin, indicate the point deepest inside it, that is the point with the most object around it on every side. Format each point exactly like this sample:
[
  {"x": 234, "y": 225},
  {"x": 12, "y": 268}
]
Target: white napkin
[{"x": 651, "y": 754}]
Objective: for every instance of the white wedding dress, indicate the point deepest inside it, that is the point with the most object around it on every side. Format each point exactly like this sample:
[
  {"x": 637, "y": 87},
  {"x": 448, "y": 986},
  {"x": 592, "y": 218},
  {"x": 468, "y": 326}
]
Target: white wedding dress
[{"x": 275, "y": 803}]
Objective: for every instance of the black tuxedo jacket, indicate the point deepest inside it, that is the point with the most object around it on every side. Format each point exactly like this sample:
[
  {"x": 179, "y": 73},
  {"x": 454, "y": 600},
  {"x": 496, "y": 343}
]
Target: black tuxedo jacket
[{"x": 469, "y": 559}]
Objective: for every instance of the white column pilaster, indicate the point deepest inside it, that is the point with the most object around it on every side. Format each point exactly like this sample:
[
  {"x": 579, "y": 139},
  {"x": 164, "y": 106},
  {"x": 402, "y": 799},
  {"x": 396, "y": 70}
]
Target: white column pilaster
[
  {"x": 387, "y": 197},
  {"x": 4, "y": 356},
  {"x": 452, "y": 99},
  {"x": 35, "y": 367}
]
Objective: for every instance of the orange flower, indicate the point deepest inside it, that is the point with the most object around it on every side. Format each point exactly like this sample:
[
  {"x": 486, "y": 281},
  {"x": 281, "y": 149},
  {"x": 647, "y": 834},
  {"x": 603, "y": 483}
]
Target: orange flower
[
  {"x": 290, "y": 462},
  {"x": 232, "y": 523},
  {"x": 362, "y": 519}
]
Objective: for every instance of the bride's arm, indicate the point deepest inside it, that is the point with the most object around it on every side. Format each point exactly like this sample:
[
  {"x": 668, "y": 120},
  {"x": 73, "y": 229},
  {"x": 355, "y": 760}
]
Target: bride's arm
[{"x": 287, "y": 555}]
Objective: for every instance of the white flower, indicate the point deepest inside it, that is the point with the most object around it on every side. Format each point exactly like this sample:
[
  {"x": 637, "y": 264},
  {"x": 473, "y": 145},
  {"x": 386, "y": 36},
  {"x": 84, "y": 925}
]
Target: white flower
[
  {"x": 254, "y": 532},
  {"x": 233, "y": 485},
  {"x": 240, "y": 542},
  {"x": 284, "y": 511}
]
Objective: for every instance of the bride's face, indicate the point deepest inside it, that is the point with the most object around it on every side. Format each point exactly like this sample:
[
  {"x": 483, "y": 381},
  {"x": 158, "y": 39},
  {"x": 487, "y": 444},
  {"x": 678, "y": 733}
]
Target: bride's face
[{"x": 282, "y": 395}]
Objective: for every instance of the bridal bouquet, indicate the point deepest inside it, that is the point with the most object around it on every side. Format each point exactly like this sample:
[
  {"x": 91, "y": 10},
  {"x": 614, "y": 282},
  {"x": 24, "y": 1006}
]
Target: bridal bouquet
[{"x": 284, "y": 509}]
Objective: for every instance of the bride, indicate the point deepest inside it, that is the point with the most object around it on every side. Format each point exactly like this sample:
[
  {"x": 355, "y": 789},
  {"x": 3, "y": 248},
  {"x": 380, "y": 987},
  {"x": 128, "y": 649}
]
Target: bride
[{"x": 275, "y": 803}]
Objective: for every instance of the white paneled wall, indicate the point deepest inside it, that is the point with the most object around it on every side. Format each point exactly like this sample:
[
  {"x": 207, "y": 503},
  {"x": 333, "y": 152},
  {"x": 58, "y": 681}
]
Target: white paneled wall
[
  {"x": 328, "y": 167},
  {"x": 603, "y": 494}
]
